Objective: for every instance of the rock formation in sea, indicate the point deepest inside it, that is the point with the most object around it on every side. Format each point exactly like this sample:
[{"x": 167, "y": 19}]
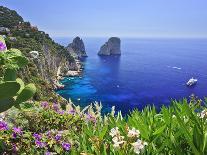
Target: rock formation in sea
[
  {"x": 77, "y": 48},
  {"x": 111, "y": 47}
]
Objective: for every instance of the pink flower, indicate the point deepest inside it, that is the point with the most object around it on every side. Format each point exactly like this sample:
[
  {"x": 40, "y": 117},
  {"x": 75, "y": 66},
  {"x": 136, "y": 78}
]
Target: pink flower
[
  {"x": 2, "y": 46},
  {"x": 3, "y": 126}
]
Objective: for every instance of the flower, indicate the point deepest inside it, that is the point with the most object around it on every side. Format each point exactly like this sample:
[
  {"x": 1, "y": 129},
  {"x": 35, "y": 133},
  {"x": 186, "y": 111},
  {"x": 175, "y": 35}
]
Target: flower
[
  {"x": 139, "y": 146},
  {"x": 37, "y": 136},
  {"x": 3, "y": 126},
  {"x": 14, "y": 148},
  {"x": 114, "y": 132},
  {"x": 39, "y": 144},
  {"x": 203, "y": 114},
  {"x": 72, "y": 112},
  {"x": 48, "y": 153},
  {"x": 55, "y": 107},
  {"x": 66, "y": 146},
  {"x": 118, "y": 141},
  {"x": 2, "y": 46},
  {"x": 14, "y": 135},
  {"x": 91, "y": 118},
  {"x": 58, "y": 137},
  {"x": 17, "y": 130},
  {"x": 117, "y": 144},
  {"x": 133, "y": 133},
  {"x": 61, "y": 112},
  {"x": 45, "y": 104}
]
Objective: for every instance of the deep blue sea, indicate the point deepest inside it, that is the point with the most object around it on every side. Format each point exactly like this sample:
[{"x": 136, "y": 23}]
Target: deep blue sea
[{"x": 149, "y": 71}]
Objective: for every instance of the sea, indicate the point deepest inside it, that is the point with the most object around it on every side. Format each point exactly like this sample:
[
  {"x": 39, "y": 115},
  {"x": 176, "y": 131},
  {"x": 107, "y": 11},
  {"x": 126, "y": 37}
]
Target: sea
[{"x": 148, "y": 72}]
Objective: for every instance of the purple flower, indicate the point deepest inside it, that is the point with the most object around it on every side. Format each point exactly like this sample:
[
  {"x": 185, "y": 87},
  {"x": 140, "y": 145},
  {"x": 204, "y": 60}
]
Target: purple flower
[
  {"x": 72, "y": 112},
  {"x": 58, "y": 137},
  {"x": 2, "y": 46},
  {"x": 14, "y": 148},
  {"x": 39, "y": 144},
  {"x": 37, "y": 136},
  {"x": 66, "y": 146},
  {"x": 3, "y": 126},
  {"x": 17, "y": 130},
  {"x": 48, "y": 153},
  {"x": 91, "y": 118},
  {"x": 55, "y": 107},
  {"x": 14, "y": 135},
  {"x": 61, "y": 112},
  {"x": 48, "y": 134},
  {"x": 45, "y": 104}
]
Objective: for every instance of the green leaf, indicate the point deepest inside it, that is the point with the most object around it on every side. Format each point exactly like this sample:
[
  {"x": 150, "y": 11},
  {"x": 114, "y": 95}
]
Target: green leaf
[
  {"x": 186, "y": 132},
  {"x": 103, "y": 132},
  {"x": 27, "y": 93},
  {"x": 15, "y": 51},
  {"x": 160, "y": 130},
  {"x": 21, "y": 83},
  {"x": 8, "y": 89},
  {"x": 6, "y": 104},
  {"x": 20, "y": 61},
  {"x": 10, "y": 75}
]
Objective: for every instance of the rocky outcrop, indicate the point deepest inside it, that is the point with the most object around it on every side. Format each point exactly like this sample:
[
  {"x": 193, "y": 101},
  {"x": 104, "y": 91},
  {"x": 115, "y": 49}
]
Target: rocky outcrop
[
  {"x": 111, "y": 47},
  {"x": 34, "y": 54},
  {"x": 49, "y": 63},
  {"x": 77, "y": 48}
]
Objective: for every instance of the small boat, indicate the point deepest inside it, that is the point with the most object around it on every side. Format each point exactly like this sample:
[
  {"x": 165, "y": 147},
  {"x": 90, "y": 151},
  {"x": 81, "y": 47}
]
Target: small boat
[{"x": 191, "y": 82}]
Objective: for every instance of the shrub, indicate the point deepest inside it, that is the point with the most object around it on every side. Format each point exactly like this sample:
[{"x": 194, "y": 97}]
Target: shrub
[{"x": 12, "y": 89}]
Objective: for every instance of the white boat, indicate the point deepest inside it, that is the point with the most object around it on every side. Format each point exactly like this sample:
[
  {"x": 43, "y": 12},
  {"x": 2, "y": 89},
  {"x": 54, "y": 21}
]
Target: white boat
[{"x": 192, "y": 82}]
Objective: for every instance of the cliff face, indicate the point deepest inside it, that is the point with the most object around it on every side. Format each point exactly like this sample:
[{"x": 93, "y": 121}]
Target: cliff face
[
  {"x": 111, "y": 47},
  {"x": 77, "y": 48},
  {"x": 45, "y": 56}
]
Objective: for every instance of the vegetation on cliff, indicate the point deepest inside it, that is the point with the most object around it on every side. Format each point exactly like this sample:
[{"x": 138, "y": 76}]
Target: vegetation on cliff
[{"x": 25, "y": 37}]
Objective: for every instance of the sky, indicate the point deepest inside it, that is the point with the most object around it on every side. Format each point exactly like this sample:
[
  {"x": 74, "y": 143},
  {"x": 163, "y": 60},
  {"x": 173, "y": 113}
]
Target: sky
[{"x": 122, "y": 18}]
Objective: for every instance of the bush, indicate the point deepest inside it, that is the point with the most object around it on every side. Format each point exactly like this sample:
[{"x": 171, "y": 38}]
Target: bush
[
  {"x": 48, "y": 128},
  {"x": 12, "y": 89}
]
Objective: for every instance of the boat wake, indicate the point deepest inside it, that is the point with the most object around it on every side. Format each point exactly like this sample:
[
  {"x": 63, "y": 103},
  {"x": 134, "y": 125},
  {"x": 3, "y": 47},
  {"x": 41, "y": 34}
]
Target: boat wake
[{"x": 174, "y": 67}]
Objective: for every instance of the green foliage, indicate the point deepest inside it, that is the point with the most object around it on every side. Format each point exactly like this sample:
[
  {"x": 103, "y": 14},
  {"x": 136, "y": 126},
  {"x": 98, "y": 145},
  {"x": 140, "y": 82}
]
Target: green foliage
[
  {"x": 12, "y": 90},
  {"x": 9, "y": 18},
  {"x": 178, "y": 129}
]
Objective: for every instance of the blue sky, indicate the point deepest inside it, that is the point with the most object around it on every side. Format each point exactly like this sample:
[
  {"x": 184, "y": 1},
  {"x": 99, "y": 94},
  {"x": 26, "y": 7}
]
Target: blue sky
[{"x": 123, "y": 18}]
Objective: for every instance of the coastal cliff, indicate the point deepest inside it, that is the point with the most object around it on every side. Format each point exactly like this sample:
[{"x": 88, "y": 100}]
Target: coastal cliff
[
  {"x": 47, "y": 59},
  {"x": 77, "y": 48},
  {"x": 111, "y": 47}
]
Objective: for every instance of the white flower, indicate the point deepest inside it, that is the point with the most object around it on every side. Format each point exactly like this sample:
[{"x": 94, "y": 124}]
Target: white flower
[
  {"x": 117, "y": 139},
  {"x": 203, "y": 114},
  {"x": 118, "y": 143},
  {"x": 133, "y": 133},
  {"x": 114, "y": 132},
  {"x": 139, "y": 146}
]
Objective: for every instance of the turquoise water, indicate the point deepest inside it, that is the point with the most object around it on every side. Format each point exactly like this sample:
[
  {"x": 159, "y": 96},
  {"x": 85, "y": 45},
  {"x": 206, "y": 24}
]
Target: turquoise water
[{"x": 149, "y": 71}]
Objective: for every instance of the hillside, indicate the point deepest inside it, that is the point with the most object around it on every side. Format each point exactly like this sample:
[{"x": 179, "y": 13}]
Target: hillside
[{"x": 41, "y": 70}]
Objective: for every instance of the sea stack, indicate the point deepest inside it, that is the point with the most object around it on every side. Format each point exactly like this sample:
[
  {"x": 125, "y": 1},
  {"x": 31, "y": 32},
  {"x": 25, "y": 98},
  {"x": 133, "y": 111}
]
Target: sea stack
[
  {"x": 77, "y": 48},
  {"x": 111, "y": 47}
]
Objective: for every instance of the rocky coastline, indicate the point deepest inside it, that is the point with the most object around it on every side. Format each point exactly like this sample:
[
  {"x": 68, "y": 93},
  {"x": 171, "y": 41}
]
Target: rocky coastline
[{"x": 77, "y": 50}]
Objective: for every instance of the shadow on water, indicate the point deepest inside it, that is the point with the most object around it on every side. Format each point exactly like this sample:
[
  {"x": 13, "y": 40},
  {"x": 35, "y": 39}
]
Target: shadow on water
[{"x": 113, "y": 62}]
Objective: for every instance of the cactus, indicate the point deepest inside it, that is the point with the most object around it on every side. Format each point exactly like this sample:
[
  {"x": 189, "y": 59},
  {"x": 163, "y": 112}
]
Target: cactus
[
  {"x": 10, "y": 75},
  {"x": 6, "y": 104},
  {"x": 26, "y": 93},
  {"x": 8, "y": 89},
  {"x": 12, "y": 90}
]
